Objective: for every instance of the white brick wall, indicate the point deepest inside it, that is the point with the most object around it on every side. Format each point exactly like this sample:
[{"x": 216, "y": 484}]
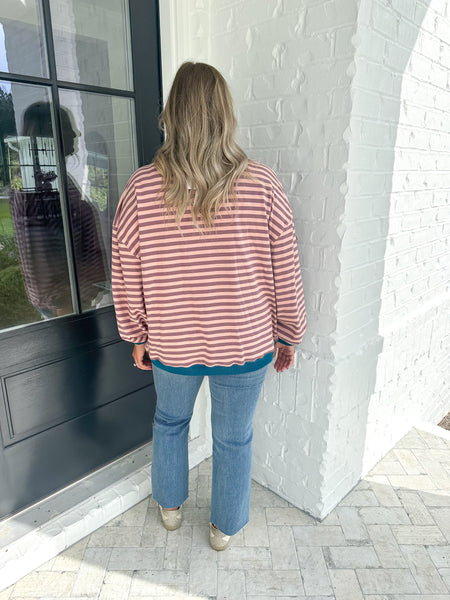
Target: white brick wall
[
  {"x": 289, "y": 71},
  {"x": 402, "y": 135},
  {"x": 319, "y": 95}
]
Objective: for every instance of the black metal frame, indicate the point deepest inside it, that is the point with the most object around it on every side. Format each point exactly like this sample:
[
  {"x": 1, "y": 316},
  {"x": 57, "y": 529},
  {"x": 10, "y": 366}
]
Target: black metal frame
[
  {"x": 145, "y": 36},
  {"x": 146, "y": 57}
]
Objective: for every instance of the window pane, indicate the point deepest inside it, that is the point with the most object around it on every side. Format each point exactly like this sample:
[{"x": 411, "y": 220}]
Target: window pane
[
  {"x": 22, "y": 44},
  {"x": 92, "y": 42},
  {"x": 34, "y": 276},
  {"x": 100, "y": 149}
]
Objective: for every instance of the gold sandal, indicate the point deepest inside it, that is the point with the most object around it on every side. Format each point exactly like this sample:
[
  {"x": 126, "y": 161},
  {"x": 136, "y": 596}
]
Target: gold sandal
[{"x": 171, "y": 519}]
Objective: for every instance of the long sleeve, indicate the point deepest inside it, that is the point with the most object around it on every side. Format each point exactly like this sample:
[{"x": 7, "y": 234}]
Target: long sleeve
[
  {"x": 289, "y": 297},
  {"x": 126, "y": 272},
  {"x": 128, "y": 293},
  {"x": 290, "y": 302}
]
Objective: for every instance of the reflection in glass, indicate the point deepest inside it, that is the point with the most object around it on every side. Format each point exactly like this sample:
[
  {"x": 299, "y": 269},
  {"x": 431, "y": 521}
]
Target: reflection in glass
[
  {"x": 92, "y": 42},
  {"x": 22, "y": 45},
  {"x": 89, "y": 251},
  {"x": 101, "y": 163},
  {"x": 34, "y": 272},
  {"x": 34, "y": 281}
]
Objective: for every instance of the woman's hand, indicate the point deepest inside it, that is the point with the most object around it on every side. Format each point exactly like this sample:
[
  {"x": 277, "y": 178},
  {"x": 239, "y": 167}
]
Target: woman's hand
[
  {"x": 285, "y": 357},
  {"x": 141, "y": 359}
]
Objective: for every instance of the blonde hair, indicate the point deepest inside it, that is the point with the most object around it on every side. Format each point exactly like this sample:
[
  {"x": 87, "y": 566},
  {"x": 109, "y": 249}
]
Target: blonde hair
[{"x": 199, "y": 148}]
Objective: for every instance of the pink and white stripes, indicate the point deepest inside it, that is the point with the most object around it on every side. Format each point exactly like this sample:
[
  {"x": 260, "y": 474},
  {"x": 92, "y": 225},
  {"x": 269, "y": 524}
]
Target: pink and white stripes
[{"x": 220, "y": 298}]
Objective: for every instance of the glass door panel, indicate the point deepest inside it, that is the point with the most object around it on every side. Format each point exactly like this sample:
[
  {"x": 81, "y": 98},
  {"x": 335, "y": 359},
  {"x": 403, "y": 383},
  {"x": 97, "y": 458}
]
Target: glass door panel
[
  {"x": 22, "y": 43},
  {"x": 100, "y": 150},
  {"x": 70, "y": 401},
  {"x": 34, "y": 275},
  {"x": 92, "y": 42}
]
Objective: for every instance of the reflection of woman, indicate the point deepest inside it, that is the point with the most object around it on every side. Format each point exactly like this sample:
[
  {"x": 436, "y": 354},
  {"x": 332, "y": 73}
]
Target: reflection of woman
[
  {"x": 207, "y": 287},
  {"x": 39, "y": 226}
]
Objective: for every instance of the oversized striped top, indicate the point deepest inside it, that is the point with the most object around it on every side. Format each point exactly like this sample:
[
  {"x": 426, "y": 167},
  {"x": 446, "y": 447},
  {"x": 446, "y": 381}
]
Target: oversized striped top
[{"x": 220, "y": 298}]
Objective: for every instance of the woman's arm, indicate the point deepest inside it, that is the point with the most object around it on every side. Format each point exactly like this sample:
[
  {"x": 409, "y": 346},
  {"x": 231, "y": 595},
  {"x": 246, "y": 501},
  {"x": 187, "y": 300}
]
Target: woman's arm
[
  {"x": 290, "y": 302},
  {"x": 126, "y": 281}
]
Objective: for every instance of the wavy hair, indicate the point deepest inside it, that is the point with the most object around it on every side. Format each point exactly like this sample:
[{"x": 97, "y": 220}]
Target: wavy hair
[{"x": 199, "y": 149}]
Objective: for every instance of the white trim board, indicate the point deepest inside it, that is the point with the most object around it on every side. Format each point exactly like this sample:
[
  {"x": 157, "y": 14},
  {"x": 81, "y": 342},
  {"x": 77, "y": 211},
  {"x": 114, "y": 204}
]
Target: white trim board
[{"x": 174, "y": 36}]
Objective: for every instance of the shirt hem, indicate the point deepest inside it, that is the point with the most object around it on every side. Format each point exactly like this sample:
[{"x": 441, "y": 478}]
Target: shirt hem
[{"x": 200, "y": 369}]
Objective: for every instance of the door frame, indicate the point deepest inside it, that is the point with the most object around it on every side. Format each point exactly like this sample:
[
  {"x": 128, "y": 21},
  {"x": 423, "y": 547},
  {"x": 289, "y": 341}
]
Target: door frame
[{"x": 26, "y": 348}]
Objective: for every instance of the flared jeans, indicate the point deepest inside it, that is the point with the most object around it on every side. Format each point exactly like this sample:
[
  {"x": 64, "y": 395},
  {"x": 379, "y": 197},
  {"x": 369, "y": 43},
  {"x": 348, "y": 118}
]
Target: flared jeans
[{"x": 233, "y": 403}]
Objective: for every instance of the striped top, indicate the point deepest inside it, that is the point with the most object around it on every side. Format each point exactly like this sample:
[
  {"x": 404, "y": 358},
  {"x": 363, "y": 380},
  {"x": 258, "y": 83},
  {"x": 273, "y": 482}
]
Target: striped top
[
  {"x": 40, "y": 239},
  {"x": 218, "y": 298}
]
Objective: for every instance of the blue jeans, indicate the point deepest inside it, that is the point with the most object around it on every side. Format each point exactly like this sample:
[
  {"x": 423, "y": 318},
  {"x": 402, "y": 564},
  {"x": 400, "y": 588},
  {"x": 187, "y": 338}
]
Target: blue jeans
[{"x": 233, "y": 404}]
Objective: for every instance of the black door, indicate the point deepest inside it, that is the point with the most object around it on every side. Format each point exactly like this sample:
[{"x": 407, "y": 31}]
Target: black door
[{"x": 79, "y": 101}]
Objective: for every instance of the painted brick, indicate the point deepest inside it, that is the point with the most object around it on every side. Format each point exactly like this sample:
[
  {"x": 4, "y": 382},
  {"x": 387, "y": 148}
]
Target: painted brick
[{"x": 348, "y": 102}]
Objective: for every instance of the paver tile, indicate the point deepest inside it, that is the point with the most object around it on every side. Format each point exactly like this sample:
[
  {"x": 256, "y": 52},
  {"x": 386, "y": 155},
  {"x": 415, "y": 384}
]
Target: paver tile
[
  {"x": 282, "y": 547},
  {"x": 423, "y": 569},
  {"x": 436, "y": 498},
  {"x": 441, "y": 517},
  {"x": 314, "y": 570},
  {"x": 386, "y": 546},
  {"x": 274, "y": 582},
  {"x": 165, "y": 584},
  {"x": 203, "y": 573},
  {"x": 288, "y": 516},
  {"x": 246, "y": 558},
  {"x": 265, "y": 498},
  {"x": 116, "y": 585},
  {"x": 177, "y": 554},
  {"x": 419, "y": 534},
  {"x": 387, "y": 581},
  {"x": 352, "y": 524},
  {"x": 91, "y": 573},
  {"x": 44, "y": 583},
  {"x": 413, "y": 439},
  {"x": 345, "y": 584},
  {"x": 153, "y": 533},
  {"x": 409, "y": 461},
  {"x": 330, "y": 519},
  {"x": 431, "y": 440},
  {"x": 440, "y": 555},
  {"x": 255, "y": 532},
  {"x": 416, "y": 482},
  {"x": 230, "y": 584},
  {"x": 415, "y": 508},
  {"x": 435, "y": 455},
  {"x": 133, "y": 516},
  {"x": 327, "y": 535},
  {"x": 351, "y": 557},
  {"x": 70, "y": 559},
  {"x": 359, "y": 498},
  {"x": 388, "y": 467},
  {"x": 381, "y": 515},
  {"x": 203, "y": 491},
  {"x": 383, "y": 490},
  {"x": 388, "y": 539},
  {"x": 130, "y": 559},
  {"x": 445, "y": 574},
  {"x": 110, "y": 537}
]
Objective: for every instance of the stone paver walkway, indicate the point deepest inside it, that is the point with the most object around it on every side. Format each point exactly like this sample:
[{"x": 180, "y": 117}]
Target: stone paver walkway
[{"x": 388, "y": 539}]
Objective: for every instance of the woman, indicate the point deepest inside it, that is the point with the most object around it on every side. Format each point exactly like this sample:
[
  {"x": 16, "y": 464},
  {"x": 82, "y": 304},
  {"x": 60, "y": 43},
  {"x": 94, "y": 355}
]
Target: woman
[
  {"x": 206, "y": 281},
  {"x": 38, "y": 221}
]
